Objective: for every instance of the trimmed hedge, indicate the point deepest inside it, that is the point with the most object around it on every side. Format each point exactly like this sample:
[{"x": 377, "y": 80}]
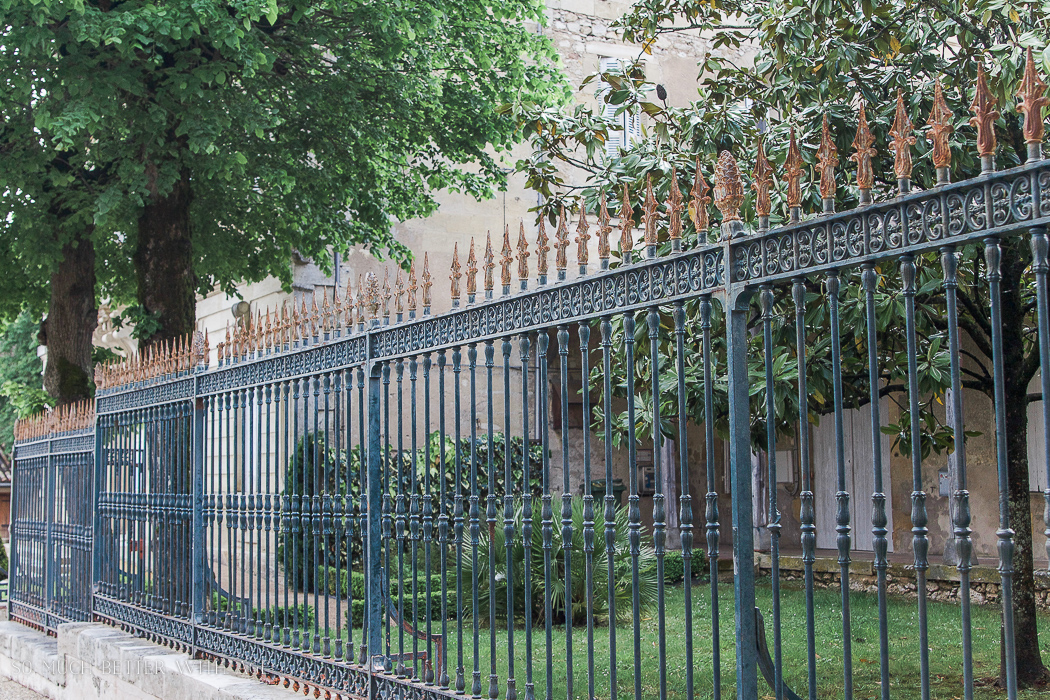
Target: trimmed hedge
[{"x": 674, "y": 565}]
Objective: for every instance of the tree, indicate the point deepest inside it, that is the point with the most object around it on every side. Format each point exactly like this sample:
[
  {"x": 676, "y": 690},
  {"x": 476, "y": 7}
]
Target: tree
[
  {"x": 812, "y": 60},
  {"x": 20, "y": 392},
  {"x": 183, "y": 145}
]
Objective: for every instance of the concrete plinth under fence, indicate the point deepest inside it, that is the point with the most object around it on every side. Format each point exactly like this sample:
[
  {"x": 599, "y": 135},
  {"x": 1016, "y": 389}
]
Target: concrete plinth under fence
[{"x": 91, "y": 661}]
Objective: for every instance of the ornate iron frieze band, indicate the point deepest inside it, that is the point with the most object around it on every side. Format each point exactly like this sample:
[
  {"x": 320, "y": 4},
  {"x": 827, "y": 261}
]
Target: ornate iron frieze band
[
  {"x": 25, "y": 450},
  {"x": 150, "y": 395},
  {"x": 655, "y": 281},
  {"x": 146, "y": 621},
  {"x": 991, "y": 205},
  {"x": 313, "y": 359}
]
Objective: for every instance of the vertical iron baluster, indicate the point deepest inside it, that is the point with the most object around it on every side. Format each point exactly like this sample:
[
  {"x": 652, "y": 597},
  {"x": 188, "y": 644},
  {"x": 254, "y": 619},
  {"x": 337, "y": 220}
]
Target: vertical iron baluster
[
  {"x": 444, "y": 532},
  {"x": 634, "y": 514},
  {"x": 231, "y": 441},
  {"x": 428, "y": 516},
  {"x": 842, "y": 518},
  {"x": 317, "y": 468},
  {"x": 711, "y": 497},
  {"x": 526, "y": 507},
  {"x": 566, "y": 502},
  {"x": 919, "y": 519},
  {"x": 272, "y": 515},
  {"x": 546, "y": 511},
  {"x": 458, "y": 513},
  {"x": 288, "y": 520},
  {"x": 475, "y": 686},
  {"x": 508, "y": 528},
  {"x": 339, "y": 498},
  {"x": 260, "y": 611},
  {"x": 413, "y": 517},
  {"x": 326, "y": 516},
  {"x": 659, "y": 514},
  {"x": 992, "y": 257},
  {"x": 246, "y": 519},
  {"x": 610, "y": 500},
  {"x": 807, "y": 511},
  {"x": 685, "y": 517},
  {"x": 879, "y": 518},
  {"x": 400, "y": 524},
  {"x": 766, "y": 302},
  {"x": 1039, "y": 267},
  {"x": 490, "y": 519},
  {"x": 961, "y": 524},
  {"x": 362, "y": 528},
  {"x": 387, "y": 525},
  {"x": 588, "y": 498}
]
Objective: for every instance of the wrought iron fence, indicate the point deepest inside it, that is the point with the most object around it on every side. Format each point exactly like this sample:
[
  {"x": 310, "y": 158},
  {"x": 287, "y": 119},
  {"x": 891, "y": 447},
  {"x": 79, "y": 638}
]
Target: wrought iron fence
[{"x": 380, "y": 502}]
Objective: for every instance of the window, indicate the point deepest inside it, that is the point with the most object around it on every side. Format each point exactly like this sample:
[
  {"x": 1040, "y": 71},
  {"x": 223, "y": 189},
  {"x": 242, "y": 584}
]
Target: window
[{"x": 630, "y": 125}]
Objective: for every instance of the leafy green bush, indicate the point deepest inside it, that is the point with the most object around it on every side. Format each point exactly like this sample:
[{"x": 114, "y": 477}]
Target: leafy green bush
[
  {"x": 282, "y": 616},
  {"x": 622, "y": 569},
  {"x": 674, "y": 565}
]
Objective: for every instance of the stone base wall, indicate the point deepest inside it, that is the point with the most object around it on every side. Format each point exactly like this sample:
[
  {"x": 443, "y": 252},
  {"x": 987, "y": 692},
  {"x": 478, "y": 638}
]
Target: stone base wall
[
  {"x": 942, "y": 582},
  {"x": 91, "y": 661}
]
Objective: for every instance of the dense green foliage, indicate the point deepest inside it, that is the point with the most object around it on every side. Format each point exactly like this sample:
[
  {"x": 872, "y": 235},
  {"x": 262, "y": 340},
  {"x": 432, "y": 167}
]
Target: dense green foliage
[
  {"x": 495, "y": 545},
  {"x": 674, "y": 565},
  {"x": 256, "y": 127},
  {"x": 20, "y": 370}
]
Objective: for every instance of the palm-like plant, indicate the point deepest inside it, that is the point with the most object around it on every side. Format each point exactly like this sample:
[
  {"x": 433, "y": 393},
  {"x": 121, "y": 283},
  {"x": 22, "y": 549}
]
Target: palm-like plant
[{"x": 495, "y": 543}]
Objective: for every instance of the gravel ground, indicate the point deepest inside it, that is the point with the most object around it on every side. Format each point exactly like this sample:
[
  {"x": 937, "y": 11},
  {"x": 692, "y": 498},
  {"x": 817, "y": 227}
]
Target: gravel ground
[{"x": 9, "y": 690}]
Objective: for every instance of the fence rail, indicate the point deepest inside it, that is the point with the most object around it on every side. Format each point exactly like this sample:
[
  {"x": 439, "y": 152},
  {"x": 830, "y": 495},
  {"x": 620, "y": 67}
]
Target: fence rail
[{"x": 382, "y": 504}]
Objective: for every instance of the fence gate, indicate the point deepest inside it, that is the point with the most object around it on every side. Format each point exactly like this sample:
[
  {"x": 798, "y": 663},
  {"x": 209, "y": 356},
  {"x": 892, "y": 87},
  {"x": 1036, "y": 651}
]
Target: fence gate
[{"x": 366, "y": 498}]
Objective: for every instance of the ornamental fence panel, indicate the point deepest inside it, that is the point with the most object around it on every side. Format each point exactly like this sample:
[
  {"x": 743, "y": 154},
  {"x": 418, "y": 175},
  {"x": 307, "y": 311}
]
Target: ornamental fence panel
[{"x": 391, "y": 503}]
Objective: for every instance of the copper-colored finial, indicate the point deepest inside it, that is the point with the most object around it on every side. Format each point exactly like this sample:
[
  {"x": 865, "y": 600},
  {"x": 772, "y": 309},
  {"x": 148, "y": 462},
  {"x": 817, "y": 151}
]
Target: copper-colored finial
[
  {"x": 604, "y": 229},
  {"x": 650, "y": 213},
  {"x": 326, "y": 313},
  {"x": 863, "y": 144},
  {"x": 940, "y": 125},
  {"x": 698, "y": 202},
  {"x": 412, "y": 286},
  {"x": 561, "y": 241},
  {"x": 490, "y": 263},
  {"x": 373, "y": 295},
  {"x": 427, "y": 281},
  {"x": 827, "y": 158},
  {"x": 399, "y": 294},
  {"x": 626, "y": 222},
  {"x": 793, "y": 173},
  {"x": 763, "y": 174},
  {"x": 542, "y": 248},
  {"x": 362, "y": 299},
  {"x": 1032, "y": 92},
  {"x": 674, "y": 208},
  {"x": 984, "y": 115},
  {"x": 729, "y": 188},
  {"x": 523, "y": 253},
  {"x": 903, "y": 139},
  {"x": 472, "y": 270},
  {"x": 386, "y": 293},
  {"x": 506, "y": 259},
  {"x": 348, "y": 307},
  {"x": 582, "y": 236},
  {"x": 455, "y": 276}
]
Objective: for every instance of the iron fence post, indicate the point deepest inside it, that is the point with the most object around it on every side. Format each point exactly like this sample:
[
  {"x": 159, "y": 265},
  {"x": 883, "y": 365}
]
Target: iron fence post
[
  {"x": 737, "y": 303},
  {"x": 197, "y": 542},
  {"x": 49, "y": 553},
  {"x": 374, "y": 540}
]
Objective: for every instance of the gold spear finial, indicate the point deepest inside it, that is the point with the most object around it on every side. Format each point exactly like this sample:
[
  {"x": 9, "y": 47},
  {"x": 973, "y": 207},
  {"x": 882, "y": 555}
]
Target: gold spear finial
[
  {"x": 387, "y": 296},
  {"x": 412, "y": 287},
  {"x": 827, "y": 157},
  {"x": 763, "y": 174},
  {"x": 472, "y": 271},
  {"x": 793, "y": 173},
  {"x": 674, "y": 211},
  {"x": 455, "y": 276},
  {"x": 373, "y": 295},
  {"x": 650, "y": 213},
  {"x": 306, "y": 330},
  {"x": 903, "y": 138},
  {"x": 863, "y": 145},
  {"x": 315, "y": 314},
  {"x": 1032, "y": 92},
  {"x": 399, "y": 294},
  {"x": 729, "y": 188},
  {"x": 699, "y": 200},
  {"x": 561, "y": 243},
  {"x": 604, "y": 229},
  {"x": 582, "y": 238},
  {"x": 940, "y": 126},
  {"x": 984, "y": 115},
  {"x": 427, "y": 282},
  {"x": 327, "y": 322},
  {"x": 523, "y": 255},
  {"x": 506, "y": 260},
  {"x": 626, "y": 224},
  {"x": 362, "y": 299},
  {"x": 490, "y": 264},
  {"x": 542, "y": 248}
]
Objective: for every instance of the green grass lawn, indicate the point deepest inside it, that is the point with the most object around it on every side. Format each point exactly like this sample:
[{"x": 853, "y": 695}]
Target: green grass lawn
[{"x": 945, "y": 648}]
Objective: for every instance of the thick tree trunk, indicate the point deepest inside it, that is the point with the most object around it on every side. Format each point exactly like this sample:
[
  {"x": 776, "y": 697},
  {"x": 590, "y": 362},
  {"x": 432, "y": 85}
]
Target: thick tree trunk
[
  {"x": 1030, "y": 669},
  {"x": 164, "y": 262},
  {"x": 71, "y": 319}
]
